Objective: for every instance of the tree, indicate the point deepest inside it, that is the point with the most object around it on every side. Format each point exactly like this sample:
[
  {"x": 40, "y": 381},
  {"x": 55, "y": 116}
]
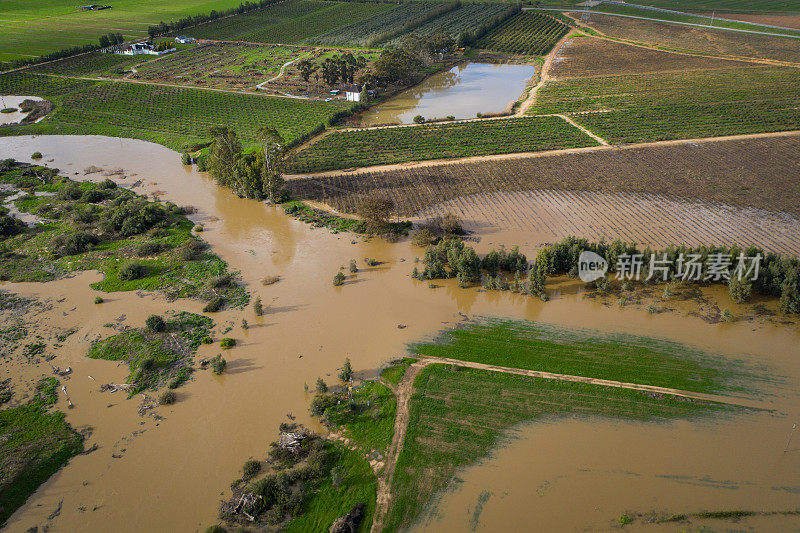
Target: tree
[
  {"x": 321, "y": 386},
  {"x": 223, "y": 158},
  {"x": 306, "y": 68},
  {"x": 273, "y": 147},
  {"x": 347, "y": 371},
  {"x": 104, "y": 42},
  {"x": 155, "y": 323},
  {"x": 375, "y": 211}
]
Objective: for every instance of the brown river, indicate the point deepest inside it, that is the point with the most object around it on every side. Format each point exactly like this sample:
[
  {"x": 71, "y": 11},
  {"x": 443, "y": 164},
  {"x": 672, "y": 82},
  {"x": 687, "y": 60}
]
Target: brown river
[{"x": 554, "y": 475}]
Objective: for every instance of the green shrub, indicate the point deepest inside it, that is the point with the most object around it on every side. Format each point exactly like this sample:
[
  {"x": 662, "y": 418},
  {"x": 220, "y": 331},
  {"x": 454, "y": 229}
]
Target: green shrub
[
  {"x": 98, "y": 299},
  {"x": 250, "y": 469},
  {"x": 338, "y": 279},
  {"x": 73, "y": 243},
  {"x": 346, "y": 372},
  {"x": 36, "y": 155},
  {"x": 321, "y": 386},
  {"x": 216, "y": 529},
  {"x": 131, "y": 270},
  {"x": 227, "y": 343},
  {"x": 155, "y": 323},
  {"x": 419, "y": 119},
  {"x": 192, "y": 249},
  {"x": 93, "y": 196},
  {"x": 258, "y": 307},
  {"x": 186, "y": 159},
  {"x": 214, "y": 305},
  {"x": 353, "y": 266},
  {"x": 740, "y": 290},
  {"x": 107, "y": 184},
  {"x": 147, "y": 364},
  {"x": 218, "y": 364},
  {"x": 167, "y": 398},
  {"x": 149, "y": 248}
]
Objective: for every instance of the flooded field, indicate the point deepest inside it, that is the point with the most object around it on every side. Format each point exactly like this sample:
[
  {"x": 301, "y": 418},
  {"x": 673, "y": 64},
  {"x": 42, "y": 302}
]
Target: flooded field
[
  {"x": 461, "y": 92},
  {"x": 13, "y": 102},
  {"x": 648, "y": 219},
  {"x": 170, "y": 474}
]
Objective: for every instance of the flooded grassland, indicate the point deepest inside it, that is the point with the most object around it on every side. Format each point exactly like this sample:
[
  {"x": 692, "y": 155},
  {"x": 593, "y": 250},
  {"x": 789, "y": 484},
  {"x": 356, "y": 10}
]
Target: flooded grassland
[{"x": 170, "y": 473}]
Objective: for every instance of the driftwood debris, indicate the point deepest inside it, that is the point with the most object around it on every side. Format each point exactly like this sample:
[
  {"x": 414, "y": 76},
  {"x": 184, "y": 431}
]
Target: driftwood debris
[
  {"x": 292, "y": 440},
  {"x": 114, "y": 387},
  {"x": 248, "y": 499},
  {"x": 349, "y": 523}
]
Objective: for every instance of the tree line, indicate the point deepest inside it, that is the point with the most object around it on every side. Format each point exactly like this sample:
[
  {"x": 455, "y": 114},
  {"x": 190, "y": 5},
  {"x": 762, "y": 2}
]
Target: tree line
[{"x": 164, "y": 28}]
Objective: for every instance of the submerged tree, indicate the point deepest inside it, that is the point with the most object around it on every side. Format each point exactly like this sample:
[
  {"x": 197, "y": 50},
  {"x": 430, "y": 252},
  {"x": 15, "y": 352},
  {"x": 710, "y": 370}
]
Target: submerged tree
[{"x": 375, "y": 211}]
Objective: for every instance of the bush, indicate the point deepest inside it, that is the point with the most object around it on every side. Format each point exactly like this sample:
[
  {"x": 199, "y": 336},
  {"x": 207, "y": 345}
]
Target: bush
[
  {"x": 192, "y": 249},
  {"x": 726, "y": 315},
  {"x": 346, "y": 372},
  {"x": 321, "y": 386},
  {"x": 419, "y": 119},
  {"x": 107, "y": 184},
  {"x": 353, "y": 266},
  {"x": 338, "y": 279},
  {"x": 218, "y": 364},
  {"x": 36, "y": 155},
  {"x": 423, "y": 238},
  {"x": 155, "y": 323},
  {"x": 147, "y": 364},
  {"x": 73, "y": 243},
  {"x": 216, "y": 529},
  {"x": 258, "y": 307},
  {"x": 740, "y": 290},
  {"x": 186, "y": 159},
  {"x": 98, "y": 299},
  {"x": 93, "y": 196},
  {"x": 131, "y": 270},
  {"x": 250, "y": 469},
  {"x": 227, "y": 343},
  {"x": 149, "y": 248},
  {"x": 214, "y": 305},
  {"x": 167, "y": 398}
]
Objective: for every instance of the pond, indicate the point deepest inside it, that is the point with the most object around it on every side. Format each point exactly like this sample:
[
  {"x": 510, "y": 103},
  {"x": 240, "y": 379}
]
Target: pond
[{"x": 462, "y": 92}]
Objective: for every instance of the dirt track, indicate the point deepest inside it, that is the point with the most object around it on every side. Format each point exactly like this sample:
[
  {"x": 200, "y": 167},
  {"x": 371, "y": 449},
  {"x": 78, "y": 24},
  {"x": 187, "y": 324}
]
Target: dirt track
[{"x": 405, "y": 389}]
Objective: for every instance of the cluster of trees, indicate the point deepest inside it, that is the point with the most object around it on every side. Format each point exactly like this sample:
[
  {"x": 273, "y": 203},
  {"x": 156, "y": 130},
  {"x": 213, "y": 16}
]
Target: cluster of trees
[
  {"x": 338, "y": 67},
  {"x": 402, "y": 66},
  {"x": 451, "y": 258},
  {"x": 164, "y": 28},
  {"x": 111, "y": 39},
  {"x": 251, "y": 174},
  {"x": 779, "y": 276}
]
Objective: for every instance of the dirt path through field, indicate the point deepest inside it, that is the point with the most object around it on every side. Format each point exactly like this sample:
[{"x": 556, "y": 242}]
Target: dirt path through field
[
  {"x": 405, "y": 389},
  {"x": 283, "y": 69},
  {"x": 544, "y": 75}
]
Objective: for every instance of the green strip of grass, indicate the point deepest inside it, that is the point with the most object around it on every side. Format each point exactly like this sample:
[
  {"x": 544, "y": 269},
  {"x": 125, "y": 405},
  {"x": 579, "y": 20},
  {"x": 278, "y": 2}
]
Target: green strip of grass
[
  {"x": 355, "y": 483},
  {"x": 395, "y": 373},
  {"x": 369, "y": 419},
  {"x": 619, "y": 357},
  {"x": 34, "y": 445},
  {"x": 458, "y": 415}
]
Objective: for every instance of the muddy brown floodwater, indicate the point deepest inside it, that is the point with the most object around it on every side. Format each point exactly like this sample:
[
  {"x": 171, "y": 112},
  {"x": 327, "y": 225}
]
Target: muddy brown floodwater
[{"x": 169, "y": 475}]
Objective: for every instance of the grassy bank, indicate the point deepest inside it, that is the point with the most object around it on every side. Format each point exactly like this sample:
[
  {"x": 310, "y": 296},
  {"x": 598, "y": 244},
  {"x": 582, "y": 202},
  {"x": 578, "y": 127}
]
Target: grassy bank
[
  {"x": 458, "y": 415},
  {"x": 619, "y": 357},
  {"x": 34, "y": 444},
  {"x": 135, "y": 243}
]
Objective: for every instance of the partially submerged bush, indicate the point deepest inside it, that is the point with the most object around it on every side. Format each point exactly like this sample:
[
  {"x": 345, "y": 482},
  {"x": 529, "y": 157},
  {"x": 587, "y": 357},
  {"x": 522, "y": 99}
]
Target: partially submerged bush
[
  {"x": 167, "y": 398},
  {"x": 98, "y": 299},
  {"x": 250, "y": 469},
  {"x": 36, "y": 155},
  {"x": 192, "y": 249},
  {"x": 227, "y": 343},
  {"x": 338, "y": 279},
  {"x": 214, "y": 305},
  {"x": 258, "y": 307},
  {"x": 218, "y": 364}
]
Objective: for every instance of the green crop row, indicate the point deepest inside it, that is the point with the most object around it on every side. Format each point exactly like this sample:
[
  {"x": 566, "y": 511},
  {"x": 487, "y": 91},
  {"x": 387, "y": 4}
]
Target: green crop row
[
  {"x": 438, "y": 141},
  {"x": 171, "y": 116},
  {"x": 638, "y": 108},
  {"x": 526, "y": 33}
]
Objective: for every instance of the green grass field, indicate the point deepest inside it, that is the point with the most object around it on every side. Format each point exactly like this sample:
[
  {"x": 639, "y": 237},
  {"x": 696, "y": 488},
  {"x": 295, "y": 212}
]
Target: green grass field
[
  {"x": 621, "y": 357},
  {"x": 287, "y": 23},
  {"x": 438, "y": 141},
  {"x": 172, "y": 116},
  {"x": 675, "y": 105},
  {"x": 30, "y": 29},
  {"x": 34, "y": 444},
  {"x": 457, "y": 417}
]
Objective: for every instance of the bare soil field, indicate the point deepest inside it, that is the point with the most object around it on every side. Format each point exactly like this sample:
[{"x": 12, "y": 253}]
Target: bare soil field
[
  {"x": 762, "y": 173},
  {"x": 655, "y": 220},
  {"x": 702, "y": 40},
  {"x": 591, "y": 56},
  {"x": 787, "y": 21}
]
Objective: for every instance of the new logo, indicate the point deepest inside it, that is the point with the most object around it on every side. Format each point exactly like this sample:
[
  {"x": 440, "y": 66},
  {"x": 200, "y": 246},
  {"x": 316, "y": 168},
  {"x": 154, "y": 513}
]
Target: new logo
[{"x": 591, "y": 266}]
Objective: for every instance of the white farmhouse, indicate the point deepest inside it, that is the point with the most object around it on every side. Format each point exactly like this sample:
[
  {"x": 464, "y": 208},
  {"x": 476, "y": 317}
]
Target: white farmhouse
[{"x": 353, "y": 93}]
